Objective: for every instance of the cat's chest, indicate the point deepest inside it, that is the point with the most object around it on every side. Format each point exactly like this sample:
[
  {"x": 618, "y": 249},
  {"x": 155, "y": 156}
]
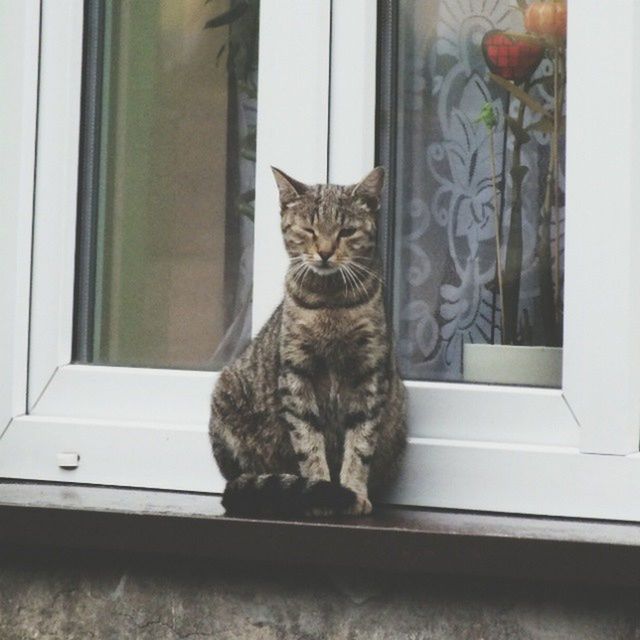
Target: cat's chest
[
  {"x": 334, "y": 342},
  {"x": 331, "y": 335},
  {"x": 328, "y": 348}
]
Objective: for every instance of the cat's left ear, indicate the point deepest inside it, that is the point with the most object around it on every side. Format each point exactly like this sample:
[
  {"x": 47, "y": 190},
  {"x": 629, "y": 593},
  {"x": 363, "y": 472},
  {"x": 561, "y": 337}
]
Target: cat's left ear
[
  {"x": 288, "y": 188},
  {"x": 370, "y": 187}
]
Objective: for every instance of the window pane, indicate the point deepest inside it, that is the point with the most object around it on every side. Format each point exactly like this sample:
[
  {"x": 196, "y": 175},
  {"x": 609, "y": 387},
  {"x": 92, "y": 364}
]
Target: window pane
[
  {"x": 472, "y": 129},
  {"x": 166, "y": 220}
]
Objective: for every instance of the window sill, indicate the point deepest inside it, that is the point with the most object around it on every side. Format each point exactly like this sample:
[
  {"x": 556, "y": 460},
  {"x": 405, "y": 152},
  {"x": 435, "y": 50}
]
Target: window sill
[{"x": 396, "y": 539}]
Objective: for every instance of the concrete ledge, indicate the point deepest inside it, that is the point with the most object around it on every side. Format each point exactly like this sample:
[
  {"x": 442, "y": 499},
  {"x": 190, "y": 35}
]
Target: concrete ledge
[{"x": 39, "y": 515}]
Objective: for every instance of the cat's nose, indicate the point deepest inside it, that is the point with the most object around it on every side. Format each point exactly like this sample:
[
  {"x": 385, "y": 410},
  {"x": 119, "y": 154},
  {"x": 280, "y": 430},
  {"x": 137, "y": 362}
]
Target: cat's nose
[{"x": 325, "y": 255}]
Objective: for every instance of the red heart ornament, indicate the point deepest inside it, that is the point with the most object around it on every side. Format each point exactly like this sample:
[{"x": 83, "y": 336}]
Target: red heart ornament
[{"x": 512, "y": 56}]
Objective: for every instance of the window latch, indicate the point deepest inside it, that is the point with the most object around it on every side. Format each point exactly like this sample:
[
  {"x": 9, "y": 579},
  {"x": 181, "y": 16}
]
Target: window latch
[{"x": 68, "y": 459}]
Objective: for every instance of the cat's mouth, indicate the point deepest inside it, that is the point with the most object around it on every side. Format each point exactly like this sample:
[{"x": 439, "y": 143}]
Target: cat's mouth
[{"x": 324, "y": 269}]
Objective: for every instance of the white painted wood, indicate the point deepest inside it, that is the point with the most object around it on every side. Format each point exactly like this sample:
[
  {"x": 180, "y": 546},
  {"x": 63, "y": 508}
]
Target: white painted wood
[
  {"x": 56, "y": 191},
  {"x": 157, "y": 396},
  {"x": 162, "y": 396},
  {"x": 353, "y": 90},
  {"x": 19, "y": 42},
  {"x": 293, "y": 104},
  {"x": 602, "y": 335},
  {"x": 556, "y": 481},
  {"x": 131, "y": 454},
  {"x": 482, "y": 476},
  {"x": 459, "y": 411}
]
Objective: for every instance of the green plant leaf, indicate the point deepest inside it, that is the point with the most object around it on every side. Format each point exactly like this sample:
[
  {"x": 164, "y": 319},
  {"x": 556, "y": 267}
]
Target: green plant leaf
[
  {"x": 488, "y": 116},
  {"x": 248, "y": 196},
  {"x": 227, "y": 17},
  {"x": 246, "y": 209}
]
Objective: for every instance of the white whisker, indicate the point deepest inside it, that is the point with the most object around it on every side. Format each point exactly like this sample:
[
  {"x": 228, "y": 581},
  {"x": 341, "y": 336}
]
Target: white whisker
[
  {"x": 349, "y": 277},
  {"x": 366, "y": 270},
  {"x": 341, "y": 272},
  {"x": 297, "y": 273},
  {"x": 305, "y": 271},
  {"x": 357, "y": 279}
]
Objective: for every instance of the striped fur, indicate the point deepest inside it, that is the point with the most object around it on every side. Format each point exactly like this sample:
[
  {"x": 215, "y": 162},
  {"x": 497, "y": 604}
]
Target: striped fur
[
  {"x": 317, "y": 394},
  {"x": 284, "y": 495}
]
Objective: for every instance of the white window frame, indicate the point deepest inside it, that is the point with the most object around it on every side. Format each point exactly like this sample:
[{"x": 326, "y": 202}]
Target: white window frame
[
  {"x": 570, "y": 452},
  {"x": 19, "y": 25}
]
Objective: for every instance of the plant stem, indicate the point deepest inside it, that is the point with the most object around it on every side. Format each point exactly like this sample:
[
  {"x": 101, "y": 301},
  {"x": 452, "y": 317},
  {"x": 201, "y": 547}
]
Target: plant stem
[
  {"x": 544, "y": 258},
  {"x": 513, "y": 262},
  {"x": 550, "y": 277},
  {"x": 497, "y": 223},
  {"x": 559, "y": 101},
  {"x": 556, "y": 213}
]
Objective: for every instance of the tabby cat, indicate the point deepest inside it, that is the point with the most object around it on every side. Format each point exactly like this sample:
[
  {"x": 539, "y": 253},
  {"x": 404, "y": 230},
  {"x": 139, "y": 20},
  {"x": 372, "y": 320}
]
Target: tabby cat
[{"x": 310, "y": 419}]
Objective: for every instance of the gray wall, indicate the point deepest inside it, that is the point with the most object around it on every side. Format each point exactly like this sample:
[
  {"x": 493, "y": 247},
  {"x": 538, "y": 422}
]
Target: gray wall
[{"x": 87, "y": 596}]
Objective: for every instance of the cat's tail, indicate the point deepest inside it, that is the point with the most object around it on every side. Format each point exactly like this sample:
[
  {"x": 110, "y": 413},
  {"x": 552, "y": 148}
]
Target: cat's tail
[{"x": 283, "y": 494}]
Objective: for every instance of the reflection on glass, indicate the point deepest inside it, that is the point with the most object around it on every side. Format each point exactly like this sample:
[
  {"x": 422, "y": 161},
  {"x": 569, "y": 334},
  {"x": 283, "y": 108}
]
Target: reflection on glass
[
  {"x": 477, "y": 151},
  {"x": 174, "y": 222}
]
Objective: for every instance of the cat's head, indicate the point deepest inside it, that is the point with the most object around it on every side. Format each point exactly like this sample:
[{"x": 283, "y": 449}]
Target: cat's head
[{"x": 330, "y": 229}]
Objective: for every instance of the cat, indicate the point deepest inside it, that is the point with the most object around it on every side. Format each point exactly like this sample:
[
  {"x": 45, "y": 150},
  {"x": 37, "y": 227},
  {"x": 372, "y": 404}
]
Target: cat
[{"x": 310, "y": 419}]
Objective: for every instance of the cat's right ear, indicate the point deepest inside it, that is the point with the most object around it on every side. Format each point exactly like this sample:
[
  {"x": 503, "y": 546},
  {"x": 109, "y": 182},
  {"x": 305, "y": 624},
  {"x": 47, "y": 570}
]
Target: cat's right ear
[{"x": 288, "y": 188}]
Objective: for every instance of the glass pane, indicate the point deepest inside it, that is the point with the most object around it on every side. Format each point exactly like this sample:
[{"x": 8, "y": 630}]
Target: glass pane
[
  {"x": 472, "y": 103},
  {"x": 167, "y": 224}
]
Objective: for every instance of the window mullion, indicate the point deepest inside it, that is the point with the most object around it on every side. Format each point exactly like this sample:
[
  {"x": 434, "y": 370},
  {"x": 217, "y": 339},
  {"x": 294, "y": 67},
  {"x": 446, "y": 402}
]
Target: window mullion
[
  {"x": 602, "y": 345},
  {"x": 56, "y": 192},
  {"x": 19, "y": 44},
  {"x": 353, "y": 90},
  {"x": 293, "y": 85}
]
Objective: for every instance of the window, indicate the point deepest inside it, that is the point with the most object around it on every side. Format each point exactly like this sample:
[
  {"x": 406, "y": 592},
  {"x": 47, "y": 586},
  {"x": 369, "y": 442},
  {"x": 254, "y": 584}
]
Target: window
[
  {"x": 168, "y": 183},
  {"x": 102, "y": 358},
  {"x": 471, "y": 124}
]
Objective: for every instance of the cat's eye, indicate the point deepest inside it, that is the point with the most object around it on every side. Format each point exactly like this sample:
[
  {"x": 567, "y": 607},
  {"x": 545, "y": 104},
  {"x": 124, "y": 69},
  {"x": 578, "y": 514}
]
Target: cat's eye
[
  {"x": 345, "y": 233},
  {"x": 309, "y": 230}
]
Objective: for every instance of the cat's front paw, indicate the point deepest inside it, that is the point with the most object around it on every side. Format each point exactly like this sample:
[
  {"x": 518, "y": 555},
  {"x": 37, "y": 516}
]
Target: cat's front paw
[{"x": 361, "y": 506}]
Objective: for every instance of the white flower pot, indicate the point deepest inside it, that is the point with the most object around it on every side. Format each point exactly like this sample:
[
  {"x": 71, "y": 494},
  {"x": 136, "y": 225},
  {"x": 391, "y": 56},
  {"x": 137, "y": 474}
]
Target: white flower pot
[{"x": 507, "y": 364}]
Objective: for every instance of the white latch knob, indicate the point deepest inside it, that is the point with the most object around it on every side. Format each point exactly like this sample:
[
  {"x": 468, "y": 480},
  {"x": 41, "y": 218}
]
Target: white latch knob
[{"x": 68, "y": 460}]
